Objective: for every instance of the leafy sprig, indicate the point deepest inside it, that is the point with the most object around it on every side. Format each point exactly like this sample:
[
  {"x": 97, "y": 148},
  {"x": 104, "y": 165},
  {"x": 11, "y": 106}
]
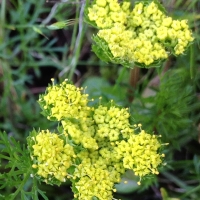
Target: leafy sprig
[{"x": 16, "y": 161}]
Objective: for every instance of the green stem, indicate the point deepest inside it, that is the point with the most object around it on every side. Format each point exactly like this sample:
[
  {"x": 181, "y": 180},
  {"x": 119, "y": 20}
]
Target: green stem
[
  {"x": 13, "y": 27},
  {"x": 78, "y": 43},
  {"x": 76, "y": 57},
  {"x": 120, "y": 78},
  {"x": 192, "y": 67},
  {"x": 133, "y": 81},
  {"x": 74, "y": 30},
  {"x": 2, "y": 19}
]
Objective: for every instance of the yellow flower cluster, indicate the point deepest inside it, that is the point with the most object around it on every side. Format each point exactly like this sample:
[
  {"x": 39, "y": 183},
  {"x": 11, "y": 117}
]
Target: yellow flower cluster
[
  {"x": 63, "y": 101},
  {"x": 112, "y": 123},
  {"x": 140, "y": 153},
  {"x": 81, "y": 132},
  {"x": 97, "y": 173},
  {"x": 51, "y": 156},
  {"x": 144, "y": 35},
  {"x": 102, "y": 137},
  {"x": 93, "y": 182}
]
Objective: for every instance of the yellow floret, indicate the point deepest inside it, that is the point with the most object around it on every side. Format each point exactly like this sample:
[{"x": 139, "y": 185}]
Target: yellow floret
[
  {"x": 138, "y": 9},
  {"x": 101, "y": 3},
  {"x": 125, "y": 7},
  {"x": 151, "y": 9},
  {"x": 167, "y": 21}
]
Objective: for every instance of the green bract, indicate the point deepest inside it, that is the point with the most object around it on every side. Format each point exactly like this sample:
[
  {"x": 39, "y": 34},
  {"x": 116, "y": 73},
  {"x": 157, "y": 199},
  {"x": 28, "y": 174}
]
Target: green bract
[
  {"x": 143, "y": 35},
  {"x": 101, "y": 48}
]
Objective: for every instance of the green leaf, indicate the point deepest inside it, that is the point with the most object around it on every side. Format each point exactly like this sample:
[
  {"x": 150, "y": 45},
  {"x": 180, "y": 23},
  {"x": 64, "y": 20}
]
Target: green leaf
[
  {"x": 42, "y": 194},
  {"x": 160, "y": 6},
  {"x": 2, "y": 197},
  {"x": 37, "y": 30},
  {"x": 99, "y": 87},
  {"x": 95, "y": 198},
  {"x": 126, "y": 186},
  {"x": 165, "y": 195}
]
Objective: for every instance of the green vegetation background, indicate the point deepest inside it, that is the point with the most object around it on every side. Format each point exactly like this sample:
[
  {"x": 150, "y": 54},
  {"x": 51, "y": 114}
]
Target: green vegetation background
[{"x": 165, "y": 100}]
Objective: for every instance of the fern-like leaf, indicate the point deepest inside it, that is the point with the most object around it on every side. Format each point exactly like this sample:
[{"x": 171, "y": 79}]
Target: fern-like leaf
[{"x": 17, "y": 170}]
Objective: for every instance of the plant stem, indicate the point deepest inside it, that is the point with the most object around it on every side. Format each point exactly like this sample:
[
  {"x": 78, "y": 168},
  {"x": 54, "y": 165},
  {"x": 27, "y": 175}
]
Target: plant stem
[
  {"x": 134, "y": 78},
  {"x": 192, "y": 67},
  {"x": 78, "y": 43},
  {"x": 74, "y": 30},
  {"x": 119, "y": 79},
  {"x": 2, "y": 19}
]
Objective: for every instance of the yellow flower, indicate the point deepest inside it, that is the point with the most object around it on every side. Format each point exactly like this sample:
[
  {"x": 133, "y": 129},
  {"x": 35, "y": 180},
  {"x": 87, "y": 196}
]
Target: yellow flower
[
  {"x": 121, "y": 28},
  {"x": 98, "y": 143},
  {"x": 63, "y": 101},
  {"x": 112, "y": 123},
  {"x": 140, "y": 153},
  {"x": 51, "y": 156}
]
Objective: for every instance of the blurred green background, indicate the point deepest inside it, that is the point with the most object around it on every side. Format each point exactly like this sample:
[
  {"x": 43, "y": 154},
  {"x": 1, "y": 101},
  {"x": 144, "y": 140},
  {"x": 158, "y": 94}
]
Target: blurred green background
[{"x": 165, "y": 100}]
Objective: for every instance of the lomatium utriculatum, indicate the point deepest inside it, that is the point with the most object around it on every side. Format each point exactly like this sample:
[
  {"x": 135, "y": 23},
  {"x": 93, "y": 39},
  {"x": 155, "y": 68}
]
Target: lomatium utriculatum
[
  {"x": 94, "y": 145},
  {"x": 144, "y": 35}
]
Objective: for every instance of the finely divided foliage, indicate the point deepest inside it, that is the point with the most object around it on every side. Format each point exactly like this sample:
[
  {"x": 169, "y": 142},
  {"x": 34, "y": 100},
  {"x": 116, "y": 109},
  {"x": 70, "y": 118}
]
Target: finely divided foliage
[{"x": 18, "y": 170}]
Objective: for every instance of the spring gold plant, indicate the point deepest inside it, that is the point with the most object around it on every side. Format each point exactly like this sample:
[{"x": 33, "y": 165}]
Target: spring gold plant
[
  {"x": 94, "y": 145},
  {"x": 144, "y": 35}
]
